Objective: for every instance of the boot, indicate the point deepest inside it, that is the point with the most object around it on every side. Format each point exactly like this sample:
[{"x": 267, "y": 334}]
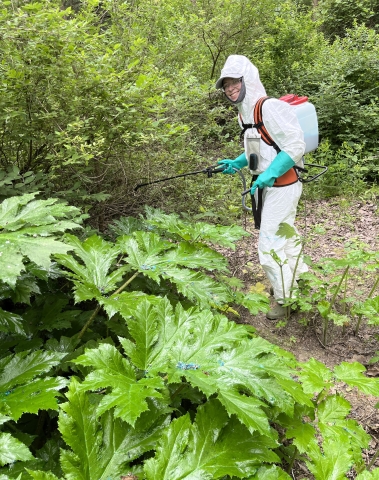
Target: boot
[{"x": 277, "y": 311}]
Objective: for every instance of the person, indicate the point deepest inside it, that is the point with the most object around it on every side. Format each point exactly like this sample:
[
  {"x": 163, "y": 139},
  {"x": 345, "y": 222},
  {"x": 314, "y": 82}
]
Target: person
[{"x": 275, "y": 182}]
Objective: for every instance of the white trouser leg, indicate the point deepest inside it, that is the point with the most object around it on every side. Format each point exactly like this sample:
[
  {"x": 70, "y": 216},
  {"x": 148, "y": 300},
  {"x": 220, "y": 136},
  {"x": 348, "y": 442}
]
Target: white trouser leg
[{"x": 279, "y": 206}]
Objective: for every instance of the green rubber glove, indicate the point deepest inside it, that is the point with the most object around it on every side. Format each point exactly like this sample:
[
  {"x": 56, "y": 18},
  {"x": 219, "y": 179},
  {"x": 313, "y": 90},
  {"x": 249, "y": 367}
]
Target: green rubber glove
[
  {"x": 230, "y": 165},
  {"x": 279, "y": 166}
]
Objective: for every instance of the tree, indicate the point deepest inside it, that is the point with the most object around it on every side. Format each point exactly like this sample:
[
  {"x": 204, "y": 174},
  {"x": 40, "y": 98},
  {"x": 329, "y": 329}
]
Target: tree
[{"x": 338, "y": 16}]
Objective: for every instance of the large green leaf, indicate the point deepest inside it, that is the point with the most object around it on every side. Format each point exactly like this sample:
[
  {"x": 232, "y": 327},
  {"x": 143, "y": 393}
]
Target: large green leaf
[
  {"x": 196, "y": 256},
  {"x": 215, "y": 356},
  {"x": 270, "y": 473},
  {"x": 20, "y": 389},
  {"x": 49, "y": 313},
  {"x": 26, "y": 285},
  {"x": 198, "y": 287},
  {"x": 369, "y": 308},
  {"x": 302, "y": 433},
  {"x": 92, "y": 275},
  {"x": 11, "y": 322},
  {"x": 247, "y": 409},
  {"x": 352, "y": 374},
  {"x": 26, "y": 215},
  {"x": 26, "y": 226},
  {"x": 334, "y": 426},
  {"x": 40, "y": 394},
  {"x": 102, "y": 448},
  {"x": 125, "y": 302},
  {"x": 144, "y": 252},
  {"x": 332, "y": 464},
  {"x": 25, "y": 366},
  {"x": 15, "y": 246},
  {"x": 160, "y": 333},
  {"x": 12, "y": 450},
  {"x": 128, "y": 394},
  {"x": 39, "y": 475},
  {"x": 196, "y": 232},
  {"x": 315, "y": 376},
  {"x": 373, "y": 475},
  {"x": 212, "y": 447}
]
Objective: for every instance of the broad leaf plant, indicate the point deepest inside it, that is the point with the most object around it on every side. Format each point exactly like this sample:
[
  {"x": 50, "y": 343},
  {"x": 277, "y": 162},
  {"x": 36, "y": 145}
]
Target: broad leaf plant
[{"x": 120, "y": 359}]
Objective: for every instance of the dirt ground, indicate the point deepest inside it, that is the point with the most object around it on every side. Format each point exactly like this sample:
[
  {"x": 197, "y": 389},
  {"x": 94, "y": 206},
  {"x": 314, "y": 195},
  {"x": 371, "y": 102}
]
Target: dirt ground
[{"x": 326, "y": 226}]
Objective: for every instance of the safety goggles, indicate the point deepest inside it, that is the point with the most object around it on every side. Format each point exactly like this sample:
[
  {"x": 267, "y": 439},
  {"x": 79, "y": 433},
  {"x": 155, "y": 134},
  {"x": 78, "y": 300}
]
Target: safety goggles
[{"x": 231, "y": 85}]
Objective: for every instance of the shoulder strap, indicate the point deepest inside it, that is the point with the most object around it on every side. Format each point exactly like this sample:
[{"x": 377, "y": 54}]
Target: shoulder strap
[{"x": 259, "y": 125}]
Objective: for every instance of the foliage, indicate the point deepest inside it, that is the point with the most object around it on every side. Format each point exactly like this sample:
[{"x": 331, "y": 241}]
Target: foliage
[
  {"x": 338, "y": 16},
  {"x": 152, "y": 379},
  {"x": 12, "y": 182},
  {"x": 287, "y": 50},
  {"x": 97, "y": 97},
  {"x": 343, "y": 84},
  {"x": 327, "y": 289},
  {"x": 26, "y": 228},
  {"x": 118, "y": 355}
]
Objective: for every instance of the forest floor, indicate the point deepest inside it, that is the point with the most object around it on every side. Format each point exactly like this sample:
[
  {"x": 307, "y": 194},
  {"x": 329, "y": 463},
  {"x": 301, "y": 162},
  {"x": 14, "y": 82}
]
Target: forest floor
[{"x": 326, "y": 226}]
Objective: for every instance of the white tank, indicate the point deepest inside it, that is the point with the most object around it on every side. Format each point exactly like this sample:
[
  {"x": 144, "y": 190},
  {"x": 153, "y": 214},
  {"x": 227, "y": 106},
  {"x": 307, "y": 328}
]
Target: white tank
[{"x": 307, "y": 116}]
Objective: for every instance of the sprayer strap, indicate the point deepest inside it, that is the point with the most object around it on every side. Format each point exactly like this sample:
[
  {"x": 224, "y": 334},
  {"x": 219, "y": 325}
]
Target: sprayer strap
[{"x": 259, "y": 125}]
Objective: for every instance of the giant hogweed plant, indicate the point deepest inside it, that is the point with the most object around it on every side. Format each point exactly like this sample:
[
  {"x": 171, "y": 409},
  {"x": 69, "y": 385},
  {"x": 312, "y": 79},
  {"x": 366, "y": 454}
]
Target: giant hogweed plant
[
  {"x": 332, "y": 287},
  {"x": 155, "y": 383}
]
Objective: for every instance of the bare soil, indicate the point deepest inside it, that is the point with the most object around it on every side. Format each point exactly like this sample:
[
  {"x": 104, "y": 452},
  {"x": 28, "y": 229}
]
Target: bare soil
[{"x": 326, "y": 225}]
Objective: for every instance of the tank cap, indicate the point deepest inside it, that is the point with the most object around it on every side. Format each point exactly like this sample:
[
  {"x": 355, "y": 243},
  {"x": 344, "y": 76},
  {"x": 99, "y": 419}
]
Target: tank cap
[{"x": 293, "y": 99}]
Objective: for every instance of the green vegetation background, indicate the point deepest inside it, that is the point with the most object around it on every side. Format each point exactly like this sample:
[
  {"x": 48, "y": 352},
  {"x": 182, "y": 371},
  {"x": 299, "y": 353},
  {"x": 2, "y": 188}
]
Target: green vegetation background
[
  {"x": 97, "y": 97},
  {"x": 116, "y": 358}
]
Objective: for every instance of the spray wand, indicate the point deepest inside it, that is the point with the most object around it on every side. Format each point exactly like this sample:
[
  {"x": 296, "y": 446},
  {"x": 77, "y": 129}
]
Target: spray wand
[{"x": 208, "y": 170}]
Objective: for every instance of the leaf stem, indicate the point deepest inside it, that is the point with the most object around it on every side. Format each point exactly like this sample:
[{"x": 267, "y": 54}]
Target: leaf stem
[
  {"x": 178, "y": 390},
  {"x": 361, "y": 315},
  {"x": 293, "y": 458},
  {"x": 373, "y": 288},
  {"x": 88, "y": 323},
  {"x": 326, "y": 319},
  {"x": 338, "y": 288},
  {"x": 119, "y": 290},
  {"x": 372, "y": 461},
  {"x": 295, "y": 269},
  {"x": 93, "y": 316}
]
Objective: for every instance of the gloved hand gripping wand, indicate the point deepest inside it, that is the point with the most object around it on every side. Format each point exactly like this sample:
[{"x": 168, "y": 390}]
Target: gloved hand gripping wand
[{"x": 208, "y": 170}]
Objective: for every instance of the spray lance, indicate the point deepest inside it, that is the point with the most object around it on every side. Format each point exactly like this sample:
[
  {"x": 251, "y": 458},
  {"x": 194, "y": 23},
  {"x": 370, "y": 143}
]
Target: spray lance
[
  {"x": 208, "y": 170},
  {"x": 213, "y": 169}
]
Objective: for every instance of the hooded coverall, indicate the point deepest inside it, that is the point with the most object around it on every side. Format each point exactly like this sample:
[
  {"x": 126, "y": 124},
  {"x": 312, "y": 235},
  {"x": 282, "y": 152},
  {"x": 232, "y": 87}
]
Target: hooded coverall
[{"x": 279, "y": 203}]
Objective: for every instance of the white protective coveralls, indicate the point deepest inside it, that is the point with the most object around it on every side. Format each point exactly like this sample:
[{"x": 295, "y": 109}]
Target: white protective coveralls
[{"x": 279, "y": 203}]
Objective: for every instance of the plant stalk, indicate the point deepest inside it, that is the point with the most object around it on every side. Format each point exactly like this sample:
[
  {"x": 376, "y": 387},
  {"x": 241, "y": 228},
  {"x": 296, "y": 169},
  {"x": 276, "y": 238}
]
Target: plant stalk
[
  {"x": 293, "y": 458},
  {"x": 295, "y": 269},
  {"x": 360, "y": 315},
  {"x": 338, "y": 288},
  {"x": 372, "y": 461},
  {"x": 326, "y": 321},
  {"x": 93, "y": 316}
]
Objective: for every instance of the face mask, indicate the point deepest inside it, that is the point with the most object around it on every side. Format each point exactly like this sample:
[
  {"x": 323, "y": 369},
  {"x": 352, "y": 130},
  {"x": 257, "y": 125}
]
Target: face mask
[{"x": 241, "y": 96}]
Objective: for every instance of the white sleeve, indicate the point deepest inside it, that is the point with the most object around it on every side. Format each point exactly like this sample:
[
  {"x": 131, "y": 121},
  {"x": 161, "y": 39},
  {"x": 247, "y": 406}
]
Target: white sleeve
[{"x": 283, "y": 126}]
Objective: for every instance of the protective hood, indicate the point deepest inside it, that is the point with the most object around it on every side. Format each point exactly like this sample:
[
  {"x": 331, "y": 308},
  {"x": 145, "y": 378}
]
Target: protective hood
[{"x": 237, "y": 66}]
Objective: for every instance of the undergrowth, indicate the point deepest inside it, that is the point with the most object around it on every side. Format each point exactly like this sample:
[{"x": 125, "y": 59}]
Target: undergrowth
[{"x": 117, "y": 360}]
